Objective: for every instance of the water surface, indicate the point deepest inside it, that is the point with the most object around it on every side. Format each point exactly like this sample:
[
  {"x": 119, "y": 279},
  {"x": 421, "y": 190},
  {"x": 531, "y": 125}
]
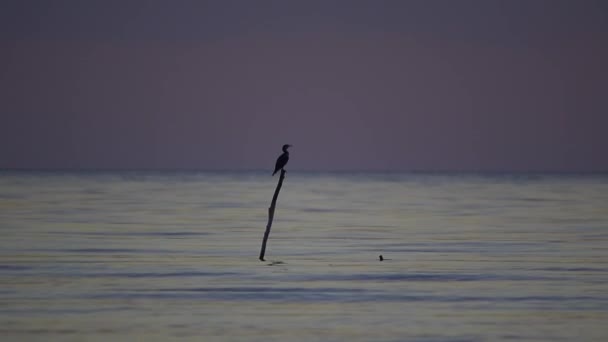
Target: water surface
[{"x": 166, "y": 255}]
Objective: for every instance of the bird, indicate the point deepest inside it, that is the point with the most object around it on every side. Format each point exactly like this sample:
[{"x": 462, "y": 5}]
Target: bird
[
  {"x": 282, "y": 160},
  {"x": 381, "y": 257}
]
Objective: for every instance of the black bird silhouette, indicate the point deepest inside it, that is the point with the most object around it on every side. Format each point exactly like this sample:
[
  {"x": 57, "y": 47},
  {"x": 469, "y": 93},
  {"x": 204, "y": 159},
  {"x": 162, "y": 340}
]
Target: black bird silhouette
[{"x": 282, "y": 160}]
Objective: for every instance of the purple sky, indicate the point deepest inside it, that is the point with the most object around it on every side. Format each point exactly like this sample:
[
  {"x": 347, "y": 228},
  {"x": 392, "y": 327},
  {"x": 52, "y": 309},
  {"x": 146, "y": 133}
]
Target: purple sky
[{"x": 364, "y": 85}]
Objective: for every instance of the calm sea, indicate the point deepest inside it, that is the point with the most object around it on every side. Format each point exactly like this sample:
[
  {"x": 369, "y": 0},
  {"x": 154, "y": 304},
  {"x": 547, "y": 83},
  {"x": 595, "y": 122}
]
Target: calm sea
[{"x": 145, "y": 256}]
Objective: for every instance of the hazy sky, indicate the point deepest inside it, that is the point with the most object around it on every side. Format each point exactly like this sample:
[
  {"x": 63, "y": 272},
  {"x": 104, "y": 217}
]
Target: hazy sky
[{"x": 365, "y": 85}]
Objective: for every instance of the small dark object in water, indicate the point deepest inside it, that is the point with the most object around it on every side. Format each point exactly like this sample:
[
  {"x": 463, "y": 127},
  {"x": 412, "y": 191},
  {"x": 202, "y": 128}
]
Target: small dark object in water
[{"x": 381, "y": 257}]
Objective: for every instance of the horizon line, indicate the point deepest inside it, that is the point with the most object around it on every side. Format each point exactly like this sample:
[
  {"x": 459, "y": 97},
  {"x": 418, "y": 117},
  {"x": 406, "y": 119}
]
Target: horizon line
[{"x": 259, "y": 170}]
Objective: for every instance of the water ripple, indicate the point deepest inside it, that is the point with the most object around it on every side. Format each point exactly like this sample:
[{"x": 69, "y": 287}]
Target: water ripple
[{"x": 332, "y": 294}]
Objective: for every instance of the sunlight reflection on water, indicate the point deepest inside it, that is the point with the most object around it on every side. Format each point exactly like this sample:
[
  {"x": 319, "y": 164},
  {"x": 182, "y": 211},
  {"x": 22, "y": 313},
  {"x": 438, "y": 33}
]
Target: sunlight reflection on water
[{"x": 164, "y": 255}]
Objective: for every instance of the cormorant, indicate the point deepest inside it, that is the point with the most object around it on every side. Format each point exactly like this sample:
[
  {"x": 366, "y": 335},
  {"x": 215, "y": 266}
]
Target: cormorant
[
  {"x": 282, "y": 160},
  {"x": 381, "y": 257}
]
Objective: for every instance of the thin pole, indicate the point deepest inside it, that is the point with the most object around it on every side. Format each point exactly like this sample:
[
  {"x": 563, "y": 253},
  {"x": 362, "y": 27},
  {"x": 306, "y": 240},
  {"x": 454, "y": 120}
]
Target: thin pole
[{"x": 271, "y": 213}]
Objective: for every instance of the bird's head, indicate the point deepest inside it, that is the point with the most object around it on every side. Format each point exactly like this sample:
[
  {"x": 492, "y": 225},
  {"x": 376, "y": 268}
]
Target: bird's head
[{"x": 285, "y": 147}]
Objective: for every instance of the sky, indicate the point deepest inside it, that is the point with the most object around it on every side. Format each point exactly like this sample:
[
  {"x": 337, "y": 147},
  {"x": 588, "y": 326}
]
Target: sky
[{"x": 378, "y": 85}]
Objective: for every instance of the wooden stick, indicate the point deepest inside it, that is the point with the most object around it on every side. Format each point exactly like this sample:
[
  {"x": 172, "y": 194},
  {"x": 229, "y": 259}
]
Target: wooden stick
[{"x": 271, "y": 213}]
